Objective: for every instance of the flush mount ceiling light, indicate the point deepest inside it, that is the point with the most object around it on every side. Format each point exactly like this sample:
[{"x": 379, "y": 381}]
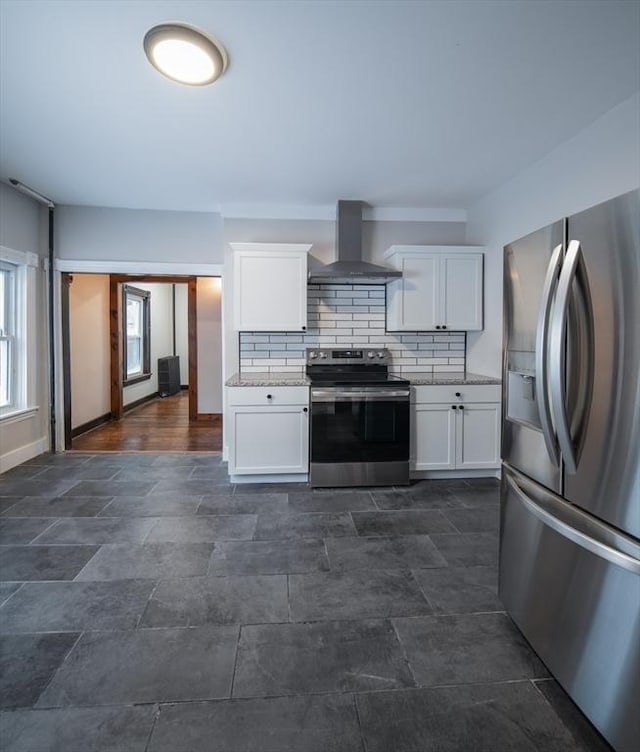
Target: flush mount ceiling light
[{"x": 185, "y": 54}]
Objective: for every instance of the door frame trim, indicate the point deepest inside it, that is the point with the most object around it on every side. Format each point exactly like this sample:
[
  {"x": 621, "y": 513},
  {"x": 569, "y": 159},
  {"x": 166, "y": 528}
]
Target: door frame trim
[{"x": 115, "y": 335}]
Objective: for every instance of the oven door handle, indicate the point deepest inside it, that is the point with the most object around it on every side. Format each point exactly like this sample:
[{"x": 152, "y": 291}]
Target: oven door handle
[{"x": 367, "y": 395}]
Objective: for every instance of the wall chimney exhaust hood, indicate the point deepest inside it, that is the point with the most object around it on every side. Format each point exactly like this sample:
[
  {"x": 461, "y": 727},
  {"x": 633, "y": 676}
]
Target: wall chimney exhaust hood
[{"x": 350, "y": 269}]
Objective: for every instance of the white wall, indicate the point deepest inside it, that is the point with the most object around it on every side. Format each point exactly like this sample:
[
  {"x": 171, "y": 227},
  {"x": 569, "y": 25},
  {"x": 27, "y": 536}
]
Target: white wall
[
  {"x": 209, "y": 315},
  {"x": 23, "y": 227},
  {"x": 105, "y": 234},
  {"x": 90, "y": 352},
  {"x": 161, "y": 338},
  {"x": 90, "y": 347},
  {"x": 599, "y": 162}
]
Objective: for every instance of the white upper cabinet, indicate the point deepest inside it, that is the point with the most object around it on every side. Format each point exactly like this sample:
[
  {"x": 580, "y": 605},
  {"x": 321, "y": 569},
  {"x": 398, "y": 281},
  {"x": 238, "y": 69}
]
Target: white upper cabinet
[
  {"x": 440, "y": 288},
  {"x": 270, "y": 287}
]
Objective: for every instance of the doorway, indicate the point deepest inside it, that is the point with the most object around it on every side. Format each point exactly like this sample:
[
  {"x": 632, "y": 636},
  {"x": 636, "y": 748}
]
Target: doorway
[{"x": 123, "y": 411}]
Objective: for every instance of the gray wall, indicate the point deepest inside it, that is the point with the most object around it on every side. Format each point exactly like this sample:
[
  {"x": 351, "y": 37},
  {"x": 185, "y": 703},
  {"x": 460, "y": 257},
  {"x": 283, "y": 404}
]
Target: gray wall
[
  {"x": 23, "y": 227},
  {"x": 599, "y": 162},
  {"x": 23, "y": 222},
  {"x": 104, "y": 234},
  {"x": 89, "y": 233}
]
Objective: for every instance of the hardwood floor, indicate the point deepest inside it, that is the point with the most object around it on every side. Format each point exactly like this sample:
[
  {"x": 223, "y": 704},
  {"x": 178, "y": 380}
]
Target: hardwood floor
[{"x": 157, "y": 426}]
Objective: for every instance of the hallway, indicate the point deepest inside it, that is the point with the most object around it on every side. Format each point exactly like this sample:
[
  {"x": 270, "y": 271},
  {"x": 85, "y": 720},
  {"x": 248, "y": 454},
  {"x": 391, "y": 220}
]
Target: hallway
[{"x": 161, "y": 425}]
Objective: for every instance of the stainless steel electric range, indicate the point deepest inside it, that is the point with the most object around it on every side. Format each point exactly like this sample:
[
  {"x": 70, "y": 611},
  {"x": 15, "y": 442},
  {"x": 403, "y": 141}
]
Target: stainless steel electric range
[{"x": 359, "y": 419}]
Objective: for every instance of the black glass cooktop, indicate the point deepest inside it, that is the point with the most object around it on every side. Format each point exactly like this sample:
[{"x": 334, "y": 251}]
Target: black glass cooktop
[{"x": 336, "y": 376}]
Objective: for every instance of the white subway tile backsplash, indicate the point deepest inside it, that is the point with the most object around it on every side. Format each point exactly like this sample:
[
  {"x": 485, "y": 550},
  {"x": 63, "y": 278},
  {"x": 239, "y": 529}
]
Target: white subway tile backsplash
[
  {"x": 363, "y": 332},
  {"x": 369, "y": 317},
  {"x": 352, "y": 293},
  {"x": 354, "y": 316},
  {"x": 286, "y": 338},
  {"x": 248, "y": 337},
  {"x": 267, "y": 362},
  {"x": 448, "y": 368}
]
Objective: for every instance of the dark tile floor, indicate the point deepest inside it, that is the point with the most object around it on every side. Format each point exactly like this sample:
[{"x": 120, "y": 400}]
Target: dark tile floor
[{"x": 147, "y": 605}]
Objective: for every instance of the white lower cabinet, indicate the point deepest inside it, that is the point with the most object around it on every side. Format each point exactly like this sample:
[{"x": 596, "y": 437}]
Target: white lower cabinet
[
  {"x": 456, "y": 427},
  {"x": 268, "y": 430},
  {"x": 434, "y": 438}
]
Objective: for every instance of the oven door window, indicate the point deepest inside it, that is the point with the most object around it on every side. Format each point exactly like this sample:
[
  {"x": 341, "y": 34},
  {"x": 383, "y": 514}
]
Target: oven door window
[{"x": 360, "y": 431}]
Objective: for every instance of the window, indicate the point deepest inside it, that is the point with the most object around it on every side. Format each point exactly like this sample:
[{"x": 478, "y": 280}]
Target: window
[
  {"x": 7, "y": 334},
  {"x": 136, "y": 306},
  {"x": 18, "y": 334}
]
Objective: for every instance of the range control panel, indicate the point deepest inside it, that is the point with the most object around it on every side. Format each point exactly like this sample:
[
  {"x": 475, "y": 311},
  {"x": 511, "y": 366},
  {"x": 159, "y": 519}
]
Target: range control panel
[{"x": 353, "y": 356}]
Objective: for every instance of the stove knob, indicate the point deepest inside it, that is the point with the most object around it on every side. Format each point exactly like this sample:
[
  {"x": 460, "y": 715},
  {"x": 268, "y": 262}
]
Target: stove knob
[
  {"x": 371, "y": 354},
  {"x": 323, "y": 356},
  {"x": 313, "y": 355},
  {"x": 381, "y": 355}
]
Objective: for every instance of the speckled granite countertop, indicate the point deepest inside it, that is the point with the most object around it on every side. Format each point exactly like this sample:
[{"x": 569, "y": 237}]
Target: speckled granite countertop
[
  {"x": 420, "y": 379},
  {"x": 299, "y": 379},
  {"x": 268, "y": 379}
]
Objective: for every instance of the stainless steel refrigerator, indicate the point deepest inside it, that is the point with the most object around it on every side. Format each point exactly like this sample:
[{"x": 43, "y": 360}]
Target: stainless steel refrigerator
[{"x": 570, "y": 496}]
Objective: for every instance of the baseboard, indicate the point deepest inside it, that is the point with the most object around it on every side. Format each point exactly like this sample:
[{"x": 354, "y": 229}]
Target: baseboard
[
  {"x": 453, "y": 474},
  {"x": 91, "y": 424},
  {"x": 141, "y": 401},
  {"x": 209, "y": 418},
  {"x": 284, "y": 478},
  {"x": 23, "y": 453}
]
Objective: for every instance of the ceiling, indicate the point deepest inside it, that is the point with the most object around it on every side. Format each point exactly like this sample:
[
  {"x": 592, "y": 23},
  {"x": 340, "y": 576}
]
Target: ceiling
[{"x": 419, "y": 103}]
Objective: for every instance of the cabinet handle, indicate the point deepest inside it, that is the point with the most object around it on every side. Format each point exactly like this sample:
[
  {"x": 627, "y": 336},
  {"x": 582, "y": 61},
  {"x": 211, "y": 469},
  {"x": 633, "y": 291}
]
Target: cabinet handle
[
  {"x": 437, "y": 326},
  {"x": 305, "y": 409},
  {"x": 462, "y": 407},
  {"x": 454, "y": 407},
  {"x": 444, "y": 326},
  {"x": 269, "y": 396},
  {"x": 458, "y": 394},
  {"x": 304, "y": 328}
]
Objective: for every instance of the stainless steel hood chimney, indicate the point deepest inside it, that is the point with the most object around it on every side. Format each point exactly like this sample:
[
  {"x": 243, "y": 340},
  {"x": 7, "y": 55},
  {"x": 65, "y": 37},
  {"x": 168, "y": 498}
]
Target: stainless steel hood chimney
[{"x": 350, "y": 269}]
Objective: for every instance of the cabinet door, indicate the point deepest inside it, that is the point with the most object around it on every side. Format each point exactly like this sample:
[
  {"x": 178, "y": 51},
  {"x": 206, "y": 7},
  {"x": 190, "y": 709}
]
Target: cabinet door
[
  {"x": 413, "y": 300},
  {"x": 269, "y": 440},
  {"x": 461, "y": 288},
  {"x": 433, "y": 442},
  {"x": 270, "y": 291},
  {"x": 478, "y": 436}
]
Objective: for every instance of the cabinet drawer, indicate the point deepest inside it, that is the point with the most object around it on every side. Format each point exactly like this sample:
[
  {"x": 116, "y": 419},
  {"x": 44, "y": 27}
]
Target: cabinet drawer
[
  {"x": 424, "y": 394},
  {"x": 268, "y": 395}
]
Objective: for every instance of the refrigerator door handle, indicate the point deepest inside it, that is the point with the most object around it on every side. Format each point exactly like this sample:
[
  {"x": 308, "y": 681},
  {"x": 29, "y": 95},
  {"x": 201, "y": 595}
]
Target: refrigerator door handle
[
  {"x": 587, "y": 540},
  {"x": 542, "y": 333},
  {"x": 557, "y": 351}
]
